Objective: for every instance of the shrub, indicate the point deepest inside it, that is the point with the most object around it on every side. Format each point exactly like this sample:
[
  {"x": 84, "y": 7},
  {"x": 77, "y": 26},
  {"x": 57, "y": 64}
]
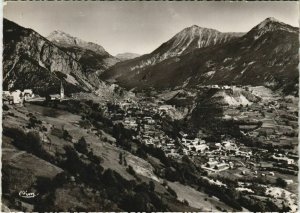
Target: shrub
[
  {"x": 121, "y": 158},
  {"x": 34, "y": 142},
  {"x": 131, "y": 171},
  {"x": 33, "y": 122},
  {"x": 185, "y": 202},
  {"x": 151, "y": 185},
  {"x": 67, "y": 136},
  {"x": 5, "y": 107},
  {"x": 81, "y": 146},
  {"x": 281, "y": 183},
  {"x": 172, "y": 192}
]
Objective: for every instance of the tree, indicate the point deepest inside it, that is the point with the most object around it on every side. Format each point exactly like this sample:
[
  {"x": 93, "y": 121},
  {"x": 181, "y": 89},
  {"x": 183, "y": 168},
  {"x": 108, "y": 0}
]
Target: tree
[
  {"x": 131, "y": 170},
  {"x": 125, "y": 162},
  {"x": 82, "y": 146},
  {"x": 47, "y": 98},
  {"x": 5, "y": 107},
  {"x": 281, "y": 183},
  {"x": 151, "y": 185},
  {"x": 121, "y": 158},
  {"x": 67, "y": 136},
  {"x": 34, "y": 142}
]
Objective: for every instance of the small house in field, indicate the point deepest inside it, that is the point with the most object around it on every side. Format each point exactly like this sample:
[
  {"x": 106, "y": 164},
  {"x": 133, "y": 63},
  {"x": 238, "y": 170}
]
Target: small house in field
[
  {"x": 28, "y": 93},
  {"x": 289, "y": 181},
  {"x": 55, "y": 97}
]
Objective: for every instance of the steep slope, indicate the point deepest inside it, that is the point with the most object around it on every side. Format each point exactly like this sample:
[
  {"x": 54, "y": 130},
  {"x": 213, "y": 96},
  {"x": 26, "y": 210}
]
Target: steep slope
[
  {"x": 266, "y": 55},
  {"x": 31, "y": 61},
  {"x": 93, "y": 57},
  {"x": 187, "y": 40},
  {"x": 192, "y": 38},
  {"x": 127, "y": 56}
]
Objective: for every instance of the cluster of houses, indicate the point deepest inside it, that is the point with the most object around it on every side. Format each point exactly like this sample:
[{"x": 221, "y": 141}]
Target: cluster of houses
[
  {"x": 17, "y": 96},
  {"x": 225, "y": 87},
  {"x": 283, "y": 159},
  {"x": 146, "y": 119},
  {"x": 142, "y": 117},
  {"x": 214, "y": 166}
]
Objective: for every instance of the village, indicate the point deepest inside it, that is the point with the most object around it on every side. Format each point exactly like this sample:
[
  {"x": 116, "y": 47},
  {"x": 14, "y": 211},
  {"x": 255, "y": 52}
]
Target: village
[
  {"x": 270, "y": 121},
  {"x": 230, "y": 157},
  {"x": 18, "y": 97}
]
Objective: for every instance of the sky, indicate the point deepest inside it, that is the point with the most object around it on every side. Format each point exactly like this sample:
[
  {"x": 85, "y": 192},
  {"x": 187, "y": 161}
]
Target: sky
[{"x": 140, "y": 27}]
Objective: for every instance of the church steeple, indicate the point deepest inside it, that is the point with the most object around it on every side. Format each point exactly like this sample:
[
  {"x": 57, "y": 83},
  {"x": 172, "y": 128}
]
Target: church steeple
[{"x": 62, "y": 91}]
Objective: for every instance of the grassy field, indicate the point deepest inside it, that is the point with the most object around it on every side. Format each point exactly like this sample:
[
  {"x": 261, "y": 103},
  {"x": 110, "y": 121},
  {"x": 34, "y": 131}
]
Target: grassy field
[{"x": 198, "y": 199}]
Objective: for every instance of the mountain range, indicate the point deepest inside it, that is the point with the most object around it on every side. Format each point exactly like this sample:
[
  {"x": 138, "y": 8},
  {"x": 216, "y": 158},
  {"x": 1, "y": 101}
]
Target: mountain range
[
  {"x": 266, "y": 55},
  {"x": 127, "y": 56}
]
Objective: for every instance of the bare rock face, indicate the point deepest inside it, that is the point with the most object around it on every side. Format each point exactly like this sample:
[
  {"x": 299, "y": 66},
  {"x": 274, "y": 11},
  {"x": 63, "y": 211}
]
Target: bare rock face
[
  {"x": 31, "y": 61},
  {"x": 192, "y": 38},
  {"x": 93, "y": 57},
  {"x": 63, "y": 39}
]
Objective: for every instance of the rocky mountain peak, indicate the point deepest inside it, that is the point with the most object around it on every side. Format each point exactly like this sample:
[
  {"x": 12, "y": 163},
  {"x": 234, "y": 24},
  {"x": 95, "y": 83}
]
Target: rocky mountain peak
[
  {"x": 63, "y": 39},
  {"x": 191, "y": 38},
  {"x": 271, "y": 24}
]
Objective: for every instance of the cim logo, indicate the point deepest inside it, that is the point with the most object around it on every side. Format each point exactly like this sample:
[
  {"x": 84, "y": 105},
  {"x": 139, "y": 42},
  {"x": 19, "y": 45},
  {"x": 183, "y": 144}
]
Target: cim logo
[{"x": 25, "y": 194}]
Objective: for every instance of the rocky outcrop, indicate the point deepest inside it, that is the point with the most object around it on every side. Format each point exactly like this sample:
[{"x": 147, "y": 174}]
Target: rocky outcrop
[
  {"x": 93, "y": 57},
  {"x": 31, "y": 61},
  {"x": 63, "y": 39}
]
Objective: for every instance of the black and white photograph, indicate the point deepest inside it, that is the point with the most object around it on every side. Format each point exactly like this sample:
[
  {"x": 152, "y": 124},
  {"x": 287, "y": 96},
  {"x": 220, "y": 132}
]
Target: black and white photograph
[{"x": 150, "y": 106}]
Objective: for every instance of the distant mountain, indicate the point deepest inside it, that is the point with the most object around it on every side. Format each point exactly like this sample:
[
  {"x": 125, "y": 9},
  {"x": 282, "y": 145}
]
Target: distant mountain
[
  {"x": 32, "y": 61},
  {"x": 94, "y": 58},
  {"x": 188, "y": 40},
  {"x": 126, "y": 56},
  {"x": 63, "y": 39},
  {"x": 266, "y": 55},
  {"x": 192, "y": 38}
]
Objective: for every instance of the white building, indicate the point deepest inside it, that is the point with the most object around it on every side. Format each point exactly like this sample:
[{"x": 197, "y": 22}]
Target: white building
[
  {"x": 165, "y": 108},
  {"x": 28, "y": 93},
  {"x": 284, "y": 159},
  {"x": 17, "y": 97},
  {"x": 201, "y": 147}
]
